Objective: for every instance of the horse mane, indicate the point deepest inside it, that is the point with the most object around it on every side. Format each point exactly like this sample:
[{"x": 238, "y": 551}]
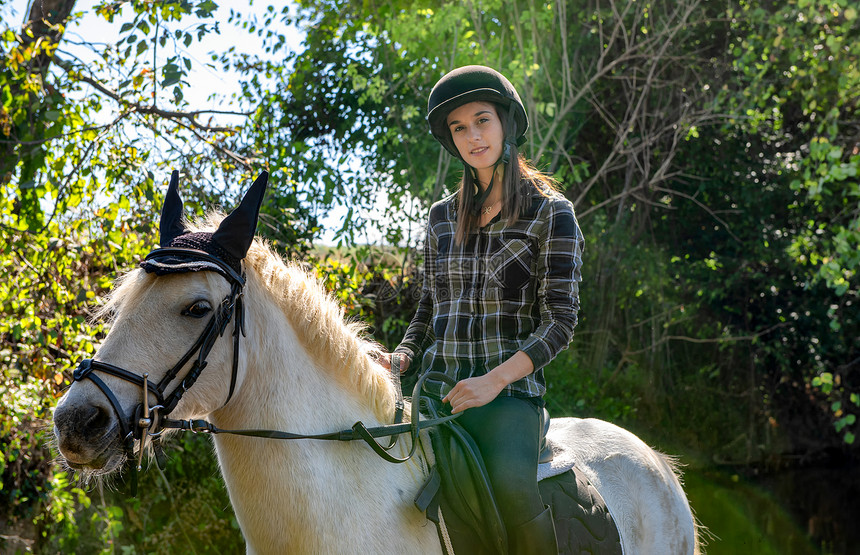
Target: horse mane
[{"x": 338, "y": 346}]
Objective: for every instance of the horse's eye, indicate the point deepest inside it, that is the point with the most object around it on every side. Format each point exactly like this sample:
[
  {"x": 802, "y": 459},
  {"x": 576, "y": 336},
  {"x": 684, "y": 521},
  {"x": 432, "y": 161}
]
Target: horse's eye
[{"x": 197, "y": 309}]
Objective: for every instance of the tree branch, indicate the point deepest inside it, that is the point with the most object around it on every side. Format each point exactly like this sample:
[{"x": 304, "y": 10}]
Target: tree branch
[
  {"x": 190, "y": 117},
  {"x": 45, "y": 21},
  {"x": 667, "y": 338},
  {"x": 226, "y": 151}
]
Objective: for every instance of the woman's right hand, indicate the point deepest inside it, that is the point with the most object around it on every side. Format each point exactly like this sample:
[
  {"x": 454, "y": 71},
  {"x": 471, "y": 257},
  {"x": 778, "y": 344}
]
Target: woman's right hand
[{"x": 386, "y": 361}]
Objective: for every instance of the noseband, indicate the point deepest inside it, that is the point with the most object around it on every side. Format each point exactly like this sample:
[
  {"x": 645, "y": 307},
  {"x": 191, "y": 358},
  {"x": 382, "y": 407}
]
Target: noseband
[{"x": 145, "y": 420}]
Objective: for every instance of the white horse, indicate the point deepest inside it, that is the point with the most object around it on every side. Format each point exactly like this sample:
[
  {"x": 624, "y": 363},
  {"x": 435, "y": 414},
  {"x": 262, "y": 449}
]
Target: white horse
[{"x": 302, "y": 368}]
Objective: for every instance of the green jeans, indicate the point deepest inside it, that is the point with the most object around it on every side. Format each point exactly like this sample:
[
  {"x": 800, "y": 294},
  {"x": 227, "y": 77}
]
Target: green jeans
[{"x": 507, "y": 432}]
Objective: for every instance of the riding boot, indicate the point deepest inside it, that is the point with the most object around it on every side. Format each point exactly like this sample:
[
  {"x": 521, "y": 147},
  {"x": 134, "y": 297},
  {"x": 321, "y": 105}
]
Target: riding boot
[{"x": 535, "y": 537}]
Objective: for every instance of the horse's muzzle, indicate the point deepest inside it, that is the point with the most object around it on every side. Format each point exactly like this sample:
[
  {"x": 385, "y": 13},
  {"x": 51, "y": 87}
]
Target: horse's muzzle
[{"x": 87, "y": 436}]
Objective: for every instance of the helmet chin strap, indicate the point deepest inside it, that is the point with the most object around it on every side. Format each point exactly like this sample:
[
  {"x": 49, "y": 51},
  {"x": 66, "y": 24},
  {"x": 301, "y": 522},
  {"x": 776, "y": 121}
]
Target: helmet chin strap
[{"x": 481, "y": 196}]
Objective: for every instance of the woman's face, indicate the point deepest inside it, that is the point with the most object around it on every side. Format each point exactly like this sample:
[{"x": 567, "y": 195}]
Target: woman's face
[{"x": 478, "y": 134}]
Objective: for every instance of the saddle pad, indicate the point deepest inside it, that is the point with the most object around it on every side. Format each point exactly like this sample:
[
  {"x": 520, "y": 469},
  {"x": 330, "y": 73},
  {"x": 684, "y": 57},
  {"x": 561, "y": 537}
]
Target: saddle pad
[{"x": 563, "y": 459}]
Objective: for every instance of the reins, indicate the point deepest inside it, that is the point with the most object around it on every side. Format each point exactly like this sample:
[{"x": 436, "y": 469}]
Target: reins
[
  {"x": 150, "y": 421},
  {"x": 358, "y": 431}
]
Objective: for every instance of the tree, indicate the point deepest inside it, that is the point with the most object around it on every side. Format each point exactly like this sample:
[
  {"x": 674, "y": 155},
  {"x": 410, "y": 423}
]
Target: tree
[
  {"x": 796, "y": 83},
  {"x": 76, "y": 209}
]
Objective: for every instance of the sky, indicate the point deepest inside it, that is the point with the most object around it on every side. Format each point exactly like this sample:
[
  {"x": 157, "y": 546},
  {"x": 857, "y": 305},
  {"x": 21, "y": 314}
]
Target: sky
[
  {"x": 211, "y": 87},
  {"x": 205, "y": 79}
]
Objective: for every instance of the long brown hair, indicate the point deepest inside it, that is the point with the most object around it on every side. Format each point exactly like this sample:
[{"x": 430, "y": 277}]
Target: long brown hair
[{"x": 520, "y": 177}]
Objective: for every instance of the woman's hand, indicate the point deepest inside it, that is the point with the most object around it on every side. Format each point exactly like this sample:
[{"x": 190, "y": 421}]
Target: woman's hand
[
  {"x": 474, "y": 392},
  {"x": 480, "y": 390},
  {"x": 385, "y": 361}
]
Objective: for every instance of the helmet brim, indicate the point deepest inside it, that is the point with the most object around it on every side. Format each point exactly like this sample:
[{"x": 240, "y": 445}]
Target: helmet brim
[{"x": 439, "y": 114}]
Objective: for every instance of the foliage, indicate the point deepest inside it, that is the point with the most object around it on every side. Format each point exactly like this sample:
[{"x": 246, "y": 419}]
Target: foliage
[
  {"x": 24, "y": 461},
  {"x": 797, "y": 65},
  {"x": 374, "y": 286},
  {"x": 183, "y": 507},
  {"x": 796, "y": 85}
]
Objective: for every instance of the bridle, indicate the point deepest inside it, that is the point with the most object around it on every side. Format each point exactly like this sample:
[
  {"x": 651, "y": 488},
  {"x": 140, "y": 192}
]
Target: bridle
[
  {"x": 148, "y": 421},
  {"x": 151, "y": 421}
]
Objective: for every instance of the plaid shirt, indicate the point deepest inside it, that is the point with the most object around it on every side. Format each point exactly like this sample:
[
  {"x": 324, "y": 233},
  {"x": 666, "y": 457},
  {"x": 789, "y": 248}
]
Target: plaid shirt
[{"x": 508, "y": 288}]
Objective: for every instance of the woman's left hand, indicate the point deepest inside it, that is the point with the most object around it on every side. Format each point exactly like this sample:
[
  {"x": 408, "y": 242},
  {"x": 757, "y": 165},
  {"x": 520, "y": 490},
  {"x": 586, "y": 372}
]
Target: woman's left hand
[
  {"x": 473, "y": 392},
  {"x": 480, "y": 390}
]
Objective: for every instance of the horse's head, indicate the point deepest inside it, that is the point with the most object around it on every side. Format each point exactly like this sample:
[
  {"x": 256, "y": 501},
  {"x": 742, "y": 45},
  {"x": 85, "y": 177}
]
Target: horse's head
[{"x": 167, "y": 317}]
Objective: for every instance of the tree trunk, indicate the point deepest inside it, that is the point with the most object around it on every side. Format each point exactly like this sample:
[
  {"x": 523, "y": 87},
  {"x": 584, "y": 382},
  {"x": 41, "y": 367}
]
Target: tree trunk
[
  {"x": 46, "y": 22},
  {"x": 45, "y": 16}
]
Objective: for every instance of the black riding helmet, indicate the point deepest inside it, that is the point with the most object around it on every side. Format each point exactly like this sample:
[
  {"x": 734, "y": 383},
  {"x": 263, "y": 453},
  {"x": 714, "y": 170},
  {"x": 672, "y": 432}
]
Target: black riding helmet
[{"x": 469, "y": 84}]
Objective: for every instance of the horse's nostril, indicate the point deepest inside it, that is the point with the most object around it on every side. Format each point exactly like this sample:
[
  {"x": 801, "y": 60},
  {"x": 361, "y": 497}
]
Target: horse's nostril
[
  {"x": 97, "y": 419},
  {"x": 84, "y": 432}
]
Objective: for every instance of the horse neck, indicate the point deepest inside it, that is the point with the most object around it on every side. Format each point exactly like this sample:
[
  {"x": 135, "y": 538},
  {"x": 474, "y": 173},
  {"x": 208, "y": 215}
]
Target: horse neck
[
  {"x": 284, "y": 386},
  {"x": 288, "y": 494}
]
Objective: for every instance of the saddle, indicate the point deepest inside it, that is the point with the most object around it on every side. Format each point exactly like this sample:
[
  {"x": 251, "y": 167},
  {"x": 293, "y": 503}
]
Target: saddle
[{"x": 458, "y": 496}]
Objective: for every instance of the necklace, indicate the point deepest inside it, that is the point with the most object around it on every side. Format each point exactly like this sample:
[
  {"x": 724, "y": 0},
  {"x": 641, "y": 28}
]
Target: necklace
[{"x": 487, "y": 209}]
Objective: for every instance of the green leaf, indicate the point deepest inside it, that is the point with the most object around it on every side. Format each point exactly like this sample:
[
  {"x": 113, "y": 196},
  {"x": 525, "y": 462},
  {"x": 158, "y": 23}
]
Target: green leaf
[
  {"x": 206, "y": 8},
  {"x": 6, "y": 96},
  {"x": 171, "y": 79}
]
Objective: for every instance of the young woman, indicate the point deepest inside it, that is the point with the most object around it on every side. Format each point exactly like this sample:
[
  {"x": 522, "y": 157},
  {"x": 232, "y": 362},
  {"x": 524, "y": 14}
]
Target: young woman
[{"x": 500, "y": 298}]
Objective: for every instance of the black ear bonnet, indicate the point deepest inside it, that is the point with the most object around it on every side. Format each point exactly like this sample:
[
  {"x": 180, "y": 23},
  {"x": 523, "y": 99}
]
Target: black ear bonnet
[{"x": 221, "y": 251}]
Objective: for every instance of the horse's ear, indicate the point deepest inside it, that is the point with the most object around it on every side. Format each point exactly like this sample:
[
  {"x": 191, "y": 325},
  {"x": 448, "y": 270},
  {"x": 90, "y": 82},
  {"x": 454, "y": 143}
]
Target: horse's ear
[
  {"x": 171, "y": 213},
  {"x": 236, "y": 232}
]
